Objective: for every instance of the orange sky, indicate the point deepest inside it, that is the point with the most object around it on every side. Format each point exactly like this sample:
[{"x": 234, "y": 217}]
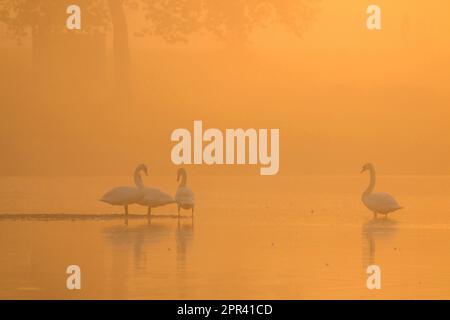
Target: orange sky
[{"x": 341, "y": 96}]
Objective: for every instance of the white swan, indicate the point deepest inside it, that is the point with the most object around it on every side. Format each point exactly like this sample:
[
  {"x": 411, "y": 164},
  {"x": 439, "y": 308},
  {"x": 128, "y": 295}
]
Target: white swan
[
  {"x": 184, "y": 197},
  {"x": 153, "y": 197},
  {"x": 379, "y": 202},
  {"x": 124, "y": 196}
]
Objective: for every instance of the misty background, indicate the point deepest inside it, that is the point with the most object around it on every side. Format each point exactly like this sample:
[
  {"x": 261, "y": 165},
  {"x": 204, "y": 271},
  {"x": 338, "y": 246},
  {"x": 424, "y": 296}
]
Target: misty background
[{"x": 99, "y": 101}]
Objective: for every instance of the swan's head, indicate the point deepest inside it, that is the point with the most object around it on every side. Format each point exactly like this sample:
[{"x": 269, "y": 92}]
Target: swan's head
[
  {"x": 180, "y": 173},
  {"x": 367, "y": 166},
  {"x": 143, "y": 168}
]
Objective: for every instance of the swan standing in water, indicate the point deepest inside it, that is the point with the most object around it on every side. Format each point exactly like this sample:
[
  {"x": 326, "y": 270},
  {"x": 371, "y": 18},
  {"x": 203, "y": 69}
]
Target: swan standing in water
[
  {"x": 184, "y": 197},
  {"x": 153, "y": 197},
  {"x": 378, "y": 202},
  {"x": 124, "y": 196}
]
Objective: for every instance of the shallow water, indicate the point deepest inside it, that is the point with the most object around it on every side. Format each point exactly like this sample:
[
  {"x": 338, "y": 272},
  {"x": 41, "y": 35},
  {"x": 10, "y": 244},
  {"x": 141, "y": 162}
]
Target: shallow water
[{"x": 251, "y": 237}]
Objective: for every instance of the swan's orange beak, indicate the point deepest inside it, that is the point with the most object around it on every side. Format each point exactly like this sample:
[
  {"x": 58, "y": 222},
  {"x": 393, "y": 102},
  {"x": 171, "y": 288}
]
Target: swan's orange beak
[{"x": 363, "y": 169}]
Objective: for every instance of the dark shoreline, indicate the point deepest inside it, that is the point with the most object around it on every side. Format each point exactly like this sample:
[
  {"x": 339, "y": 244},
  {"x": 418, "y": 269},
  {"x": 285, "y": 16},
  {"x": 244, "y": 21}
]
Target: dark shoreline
[{"x": 82, "y": 217}]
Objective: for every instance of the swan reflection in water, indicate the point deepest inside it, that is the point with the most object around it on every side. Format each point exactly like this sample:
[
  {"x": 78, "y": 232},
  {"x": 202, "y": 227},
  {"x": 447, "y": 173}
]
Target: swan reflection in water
[
  {"x": 184, "y": 236},
  {"x": 139, "y": 239},
  {"x": 145, "y": 240},
  {"x": 374, "y": 231}
]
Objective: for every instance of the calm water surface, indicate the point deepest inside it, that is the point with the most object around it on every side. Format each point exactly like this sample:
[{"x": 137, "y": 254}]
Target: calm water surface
[{"x": 251, "y": 237}]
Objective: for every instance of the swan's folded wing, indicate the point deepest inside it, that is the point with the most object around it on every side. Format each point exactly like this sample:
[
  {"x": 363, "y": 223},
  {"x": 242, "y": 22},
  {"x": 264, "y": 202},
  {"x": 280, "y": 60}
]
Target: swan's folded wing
[
  {"x": 155, "y": 197},
  {"x": 122, "y": 195},
  {"x": 164, "y": 198},
  {"x": 151, "y": 193},
  {"x": 383, "y": 202},
  {"x": 185, "y": 195}
]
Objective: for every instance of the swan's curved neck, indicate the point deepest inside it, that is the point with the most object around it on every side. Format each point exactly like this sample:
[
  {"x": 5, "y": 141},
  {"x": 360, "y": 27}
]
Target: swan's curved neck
[
  {"x": 372, "y": 182},
  {"x": 183, "y": 179},
  {"x": 137, "y": 178}
]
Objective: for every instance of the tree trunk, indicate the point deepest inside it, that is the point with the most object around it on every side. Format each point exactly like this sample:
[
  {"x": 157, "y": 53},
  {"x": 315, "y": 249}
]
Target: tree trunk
[{"x": 120, "y": 47}]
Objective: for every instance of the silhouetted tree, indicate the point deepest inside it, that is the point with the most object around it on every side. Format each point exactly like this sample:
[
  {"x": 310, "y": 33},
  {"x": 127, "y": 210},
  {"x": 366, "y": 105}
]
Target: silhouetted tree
[
  {"x": 35, "y": 17},
  {"x": 120, "y": 41},
  {"x": 232, "y": 20},
  {"x": 173, "y": 20},
  {"x": 42, "y": 18}
]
